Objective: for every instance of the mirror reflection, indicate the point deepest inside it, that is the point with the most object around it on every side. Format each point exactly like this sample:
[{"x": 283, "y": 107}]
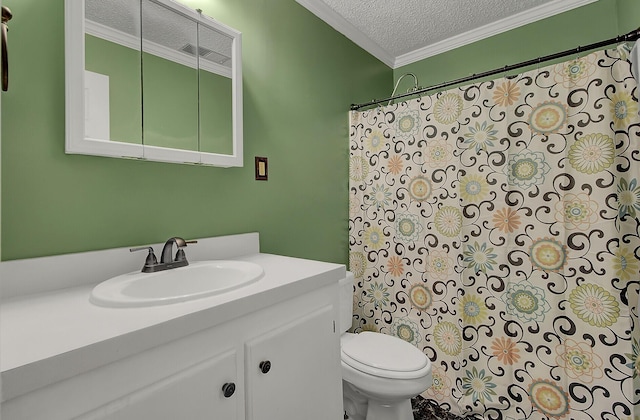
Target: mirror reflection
[
  {"x": 215, "y": 82},
  {"x": 113, "y": 86},
  {"x": 157, "y": 77},
  {"x": 170, "y": 86}
]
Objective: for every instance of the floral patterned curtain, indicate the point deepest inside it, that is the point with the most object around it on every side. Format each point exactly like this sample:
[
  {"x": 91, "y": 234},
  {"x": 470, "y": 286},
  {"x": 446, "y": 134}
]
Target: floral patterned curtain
[{"x": 496, "y": 227}]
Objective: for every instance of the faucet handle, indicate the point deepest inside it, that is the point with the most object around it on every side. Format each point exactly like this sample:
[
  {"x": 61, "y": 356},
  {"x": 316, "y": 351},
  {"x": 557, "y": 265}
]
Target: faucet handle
[
  {"x": 151, "y": 257},
  {"x": 180, "y": 255},
  {"x": 181, "y": 243}
]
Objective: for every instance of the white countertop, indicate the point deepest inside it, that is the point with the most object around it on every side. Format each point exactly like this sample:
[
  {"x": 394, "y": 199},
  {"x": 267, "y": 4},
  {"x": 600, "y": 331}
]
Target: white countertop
[{"x": 47, "y": 337}]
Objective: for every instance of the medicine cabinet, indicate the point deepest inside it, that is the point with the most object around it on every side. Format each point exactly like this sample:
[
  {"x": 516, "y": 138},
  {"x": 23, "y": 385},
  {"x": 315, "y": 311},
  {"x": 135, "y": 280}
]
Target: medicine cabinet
[{"x": 152, "y": 80}]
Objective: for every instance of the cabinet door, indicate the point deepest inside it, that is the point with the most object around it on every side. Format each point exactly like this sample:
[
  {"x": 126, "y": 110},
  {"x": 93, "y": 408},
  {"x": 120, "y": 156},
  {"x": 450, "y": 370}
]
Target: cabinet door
[
  {"x": 303, "y": 379},
  {"x": 195, "y": 393}
]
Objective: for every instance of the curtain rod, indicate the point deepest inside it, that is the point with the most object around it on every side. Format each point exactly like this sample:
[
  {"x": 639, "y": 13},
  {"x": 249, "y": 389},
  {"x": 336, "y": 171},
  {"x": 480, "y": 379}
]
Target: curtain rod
[{"x": 631, "y": 36}]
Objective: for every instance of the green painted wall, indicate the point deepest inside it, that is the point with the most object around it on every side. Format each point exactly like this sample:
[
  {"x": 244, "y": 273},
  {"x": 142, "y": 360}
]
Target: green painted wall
[
  {"x": 628, "y": 15},
  {"x": 584, "y": 25},
  {"x": 299, "y": 78}
]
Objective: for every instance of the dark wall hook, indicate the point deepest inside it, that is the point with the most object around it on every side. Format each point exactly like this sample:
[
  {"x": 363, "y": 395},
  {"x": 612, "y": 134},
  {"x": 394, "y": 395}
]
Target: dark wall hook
[{"x": 6, "y": 17}]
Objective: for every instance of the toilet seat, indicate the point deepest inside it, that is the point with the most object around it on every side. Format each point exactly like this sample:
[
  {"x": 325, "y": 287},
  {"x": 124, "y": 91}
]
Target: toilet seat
[{"x": 384, "y": 356}]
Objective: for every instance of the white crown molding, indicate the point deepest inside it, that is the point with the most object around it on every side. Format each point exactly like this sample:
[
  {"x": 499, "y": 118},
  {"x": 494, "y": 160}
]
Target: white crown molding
[
  {"x": 512, "y": 22},
  {"x": 331, "y": 17},
  {"x": 133, "y": 42},
  {"x": 340, "y": 24}
]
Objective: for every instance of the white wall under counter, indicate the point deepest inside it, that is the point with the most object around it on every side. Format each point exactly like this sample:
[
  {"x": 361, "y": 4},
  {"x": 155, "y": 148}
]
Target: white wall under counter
[{"x": 49, "y": 336}]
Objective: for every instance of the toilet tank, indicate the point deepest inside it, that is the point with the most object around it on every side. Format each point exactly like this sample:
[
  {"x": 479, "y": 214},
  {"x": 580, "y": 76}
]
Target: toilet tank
[{"x": 346, "y": 302}]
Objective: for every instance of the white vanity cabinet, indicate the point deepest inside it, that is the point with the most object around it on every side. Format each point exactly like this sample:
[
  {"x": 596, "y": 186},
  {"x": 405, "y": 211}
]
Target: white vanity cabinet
[
  {"x": 194, "y": 393},
  {"x": 184, "y": 378},
  {"x": 290, "y": 370}
]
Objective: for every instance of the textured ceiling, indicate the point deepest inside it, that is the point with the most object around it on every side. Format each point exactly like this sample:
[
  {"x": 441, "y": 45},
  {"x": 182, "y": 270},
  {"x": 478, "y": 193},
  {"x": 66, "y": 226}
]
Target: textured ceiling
[{"x": 402, "y": 31}]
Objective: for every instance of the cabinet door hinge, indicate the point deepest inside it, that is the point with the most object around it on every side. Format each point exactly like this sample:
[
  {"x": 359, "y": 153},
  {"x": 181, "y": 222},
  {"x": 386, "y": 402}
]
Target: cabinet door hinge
[{"x": 334, "y": 326}]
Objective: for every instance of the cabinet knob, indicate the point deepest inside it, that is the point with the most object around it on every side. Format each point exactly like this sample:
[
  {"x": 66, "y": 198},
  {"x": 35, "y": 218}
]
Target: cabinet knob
[
  {"x": 228, "y": 389},
  {"x": 265, "y": 366}
]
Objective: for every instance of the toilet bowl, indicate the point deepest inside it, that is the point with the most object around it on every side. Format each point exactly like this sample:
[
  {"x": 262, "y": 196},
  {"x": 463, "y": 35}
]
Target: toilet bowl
[{"x": 380, "y": 373}]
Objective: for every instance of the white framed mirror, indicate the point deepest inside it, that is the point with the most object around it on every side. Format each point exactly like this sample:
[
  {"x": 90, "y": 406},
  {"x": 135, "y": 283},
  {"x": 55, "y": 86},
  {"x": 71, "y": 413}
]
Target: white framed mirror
[{"x": 153, "y": 80}]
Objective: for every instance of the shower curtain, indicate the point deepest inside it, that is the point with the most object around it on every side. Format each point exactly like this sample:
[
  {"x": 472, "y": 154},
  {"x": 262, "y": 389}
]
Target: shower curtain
[{"x": 496, "y": 227}]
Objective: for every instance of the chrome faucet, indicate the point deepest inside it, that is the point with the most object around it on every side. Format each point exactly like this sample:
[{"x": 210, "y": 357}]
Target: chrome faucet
[{"x": 166, "y": 258}]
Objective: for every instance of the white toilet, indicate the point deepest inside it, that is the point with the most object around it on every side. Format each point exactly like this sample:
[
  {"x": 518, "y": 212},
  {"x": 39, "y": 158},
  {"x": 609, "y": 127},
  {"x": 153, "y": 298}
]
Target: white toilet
[{"x": 380, "y": 373}]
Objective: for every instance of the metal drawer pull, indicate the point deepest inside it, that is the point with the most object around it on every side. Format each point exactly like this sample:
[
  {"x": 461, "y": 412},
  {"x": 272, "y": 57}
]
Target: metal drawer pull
[
  {"x": 265, "y": 366},
  {"x": 228, "y": 389}
]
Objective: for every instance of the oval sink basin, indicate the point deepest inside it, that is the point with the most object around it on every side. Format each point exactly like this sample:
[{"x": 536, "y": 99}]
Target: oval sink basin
[{"x": 196, "y": 280}]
